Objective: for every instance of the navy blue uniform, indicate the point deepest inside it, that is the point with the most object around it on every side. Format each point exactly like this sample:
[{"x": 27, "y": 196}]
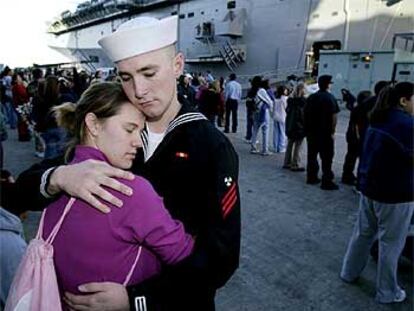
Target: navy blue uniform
[{"x": 195, "y": 170}]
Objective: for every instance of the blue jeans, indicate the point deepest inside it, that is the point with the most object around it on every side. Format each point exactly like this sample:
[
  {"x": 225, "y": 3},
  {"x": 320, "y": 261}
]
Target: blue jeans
[
  {"x": 279, "y": 136},
  {"x": 55, "y": 141},
  {"x": 390, "y": 222},
  {"x": 264, "y": 126},
  {"x": 10, "y": 113}
]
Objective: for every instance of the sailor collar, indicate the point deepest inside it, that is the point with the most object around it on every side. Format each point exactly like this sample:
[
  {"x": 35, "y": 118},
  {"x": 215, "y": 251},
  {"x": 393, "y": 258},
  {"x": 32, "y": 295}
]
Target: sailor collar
[{"x": 185, "y": 115}]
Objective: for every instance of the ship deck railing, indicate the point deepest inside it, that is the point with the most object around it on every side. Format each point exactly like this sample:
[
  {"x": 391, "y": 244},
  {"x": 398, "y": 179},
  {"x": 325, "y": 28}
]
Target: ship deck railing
[{"x": 91, "y": 16}]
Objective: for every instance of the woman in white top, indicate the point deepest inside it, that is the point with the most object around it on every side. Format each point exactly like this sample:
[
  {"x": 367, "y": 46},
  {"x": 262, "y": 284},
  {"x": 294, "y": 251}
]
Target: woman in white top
[
  {"x": 261, "y": 115},
  {"x": 279, "y": 119}
]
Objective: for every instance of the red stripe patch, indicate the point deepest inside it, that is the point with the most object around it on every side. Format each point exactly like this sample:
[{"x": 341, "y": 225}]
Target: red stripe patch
[
  {"x": 229, "y": 192},
  {"x": 230, "y": 206},
  {"x": 229, "y": 200},
  {"x": 225, "y": 214}
]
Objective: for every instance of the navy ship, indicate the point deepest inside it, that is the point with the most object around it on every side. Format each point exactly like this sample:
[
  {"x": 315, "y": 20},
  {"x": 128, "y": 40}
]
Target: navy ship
[{"x": 273, "y": 38}]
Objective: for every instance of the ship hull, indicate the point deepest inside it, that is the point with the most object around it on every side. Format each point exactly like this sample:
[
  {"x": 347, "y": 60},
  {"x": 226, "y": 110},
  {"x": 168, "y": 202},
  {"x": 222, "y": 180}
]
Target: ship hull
[{"x": 272, "y": 38}]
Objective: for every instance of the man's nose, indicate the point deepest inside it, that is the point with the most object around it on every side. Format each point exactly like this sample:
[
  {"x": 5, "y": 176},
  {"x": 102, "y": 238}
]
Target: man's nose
[{"x": 140, "y": 88}]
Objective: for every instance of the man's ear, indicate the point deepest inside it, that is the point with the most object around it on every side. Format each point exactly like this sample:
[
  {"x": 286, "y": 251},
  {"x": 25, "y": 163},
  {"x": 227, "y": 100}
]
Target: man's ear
[
  {"x": 178, "y": 64},
  {"x": 92, "y": 124}
]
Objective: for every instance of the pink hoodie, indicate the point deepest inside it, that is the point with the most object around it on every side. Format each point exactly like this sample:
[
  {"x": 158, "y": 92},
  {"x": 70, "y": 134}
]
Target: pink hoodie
[{"x": 95, "y": 247}]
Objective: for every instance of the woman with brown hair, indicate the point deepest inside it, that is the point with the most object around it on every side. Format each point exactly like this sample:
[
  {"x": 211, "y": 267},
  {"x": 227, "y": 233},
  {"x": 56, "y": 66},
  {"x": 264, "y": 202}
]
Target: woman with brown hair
[
  {"x": 295, "y": 129},
  {"x": 385, "y": 180}
]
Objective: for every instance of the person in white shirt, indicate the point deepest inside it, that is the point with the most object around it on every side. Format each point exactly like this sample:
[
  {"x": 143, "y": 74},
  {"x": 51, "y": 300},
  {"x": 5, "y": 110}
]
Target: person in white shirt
[
  {"x": 232, "y": 97},
  {"x": 279, "y": 119},
  {"x": 261, "y": 115}
]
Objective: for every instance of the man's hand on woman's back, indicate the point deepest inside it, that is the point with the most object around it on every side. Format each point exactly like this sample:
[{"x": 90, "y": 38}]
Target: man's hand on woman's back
[{"x": 85, "y": 180}]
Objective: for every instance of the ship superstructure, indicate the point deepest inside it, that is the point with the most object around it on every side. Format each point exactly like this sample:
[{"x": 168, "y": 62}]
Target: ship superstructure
[{"x": 269, "y": 37}]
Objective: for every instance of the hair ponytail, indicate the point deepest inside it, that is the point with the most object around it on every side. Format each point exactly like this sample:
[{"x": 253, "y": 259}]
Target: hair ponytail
[
  {"x": 65, "y": 115},
  {"x": 388, "y": 98}
]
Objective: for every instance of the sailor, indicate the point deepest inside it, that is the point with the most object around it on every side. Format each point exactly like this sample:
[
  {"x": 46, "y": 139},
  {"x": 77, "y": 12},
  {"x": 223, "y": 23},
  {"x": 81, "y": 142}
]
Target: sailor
[
  {"x": 190, "y": 164},
  {"x": 320, "y": 123}
]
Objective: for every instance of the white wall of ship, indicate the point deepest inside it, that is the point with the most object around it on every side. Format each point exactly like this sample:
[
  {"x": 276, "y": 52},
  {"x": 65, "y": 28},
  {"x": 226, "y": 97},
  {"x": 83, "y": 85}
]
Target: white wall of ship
[{"x": 276, "y": 29}]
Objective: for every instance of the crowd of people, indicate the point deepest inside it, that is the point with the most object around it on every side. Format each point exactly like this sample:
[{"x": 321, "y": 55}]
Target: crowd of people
[
  {"x": 28, "y": 96},
  {"x": 149, "y": 140},
  {"x": 380, "y": 134}
]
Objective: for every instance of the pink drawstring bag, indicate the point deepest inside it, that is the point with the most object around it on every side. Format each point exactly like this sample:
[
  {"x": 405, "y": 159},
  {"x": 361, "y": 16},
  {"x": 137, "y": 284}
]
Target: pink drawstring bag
[{"x": 35, "y": 286}]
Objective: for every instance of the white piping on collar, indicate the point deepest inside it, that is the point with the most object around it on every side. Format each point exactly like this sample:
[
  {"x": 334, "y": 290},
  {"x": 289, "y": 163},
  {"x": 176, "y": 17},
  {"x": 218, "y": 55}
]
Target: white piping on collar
[
  {"x": 181, "y": 119},
  {"x": 144, "y": 138},
  {"x": 185, "y": 118}
]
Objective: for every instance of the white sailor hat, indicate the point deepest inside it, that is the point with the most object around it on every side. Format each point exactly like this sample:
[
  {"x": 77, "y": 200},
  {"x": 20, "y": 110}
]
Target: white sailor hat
[{"x": 138, "y": 36}]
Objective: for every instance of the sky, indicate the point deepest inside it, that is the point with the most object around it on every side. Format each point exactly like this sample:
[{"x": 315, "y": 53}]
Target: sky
[{"x": 23, "y": 25}]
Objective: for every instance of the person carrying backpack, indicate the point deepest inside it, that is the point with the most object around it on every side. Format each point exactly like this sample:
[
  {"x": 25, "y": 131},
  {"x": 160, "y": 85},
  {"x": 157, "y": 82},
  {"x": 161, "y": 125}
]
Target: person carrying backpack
[{"x": 139, "y": 238}]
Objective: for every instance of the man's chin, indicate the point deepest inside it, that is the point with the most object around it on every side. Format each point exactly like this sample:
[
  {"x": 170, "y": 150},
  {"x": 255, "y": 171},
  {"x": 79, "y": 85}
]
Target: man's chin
[
  {"x": 152, "y": 115},
  {"x": 154, "y": 118}
]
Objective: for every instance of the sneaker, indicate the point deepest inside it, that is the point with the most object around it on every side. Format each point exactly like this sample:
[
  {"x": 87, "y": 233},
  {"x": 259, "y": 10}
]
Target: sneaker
[
  {"x": 266, "y": 153},
  {"x": 247, "y": 141},
  {"x": 313, "y": 181},
  {"x": 399, "y": 297},
  {"x": 254, "y": 151},
  {"x": 329, "y": 186}
]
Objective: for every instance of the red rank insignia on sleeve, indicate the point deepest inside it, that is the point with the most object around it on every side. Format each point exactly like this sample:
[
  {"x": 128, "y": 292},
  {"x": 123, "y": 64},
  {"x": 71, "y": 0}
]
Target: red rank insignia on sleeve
[{"x": 230, "y": 197}]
